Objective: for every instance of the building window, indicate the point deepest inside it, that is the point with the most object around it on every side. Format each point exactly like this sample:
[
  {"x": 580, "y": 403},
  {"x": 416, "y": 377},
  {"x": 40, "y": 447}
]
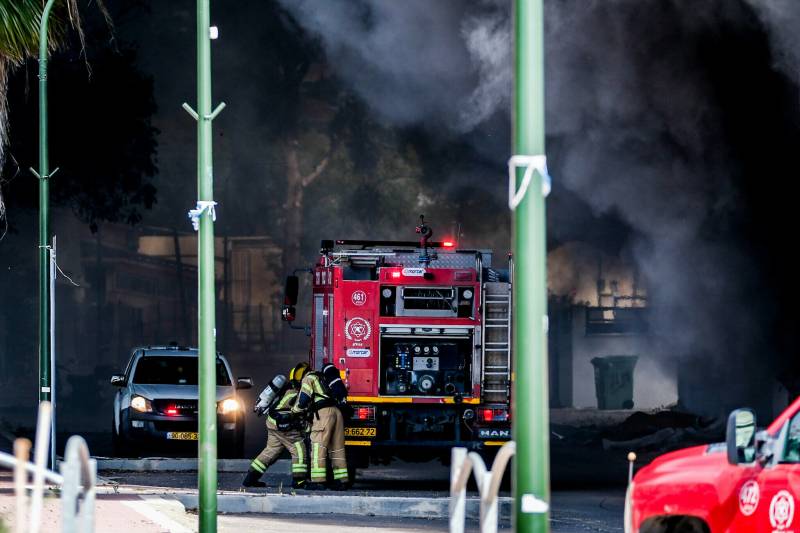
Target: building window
[{"x": 616, "y": 321}]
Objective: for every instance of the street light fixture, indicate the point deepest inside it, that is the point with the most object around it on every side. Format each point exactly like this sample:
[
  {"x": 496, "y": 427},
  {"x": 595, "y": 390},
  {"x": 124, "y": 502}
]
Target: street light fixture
[{"x": 44, "y": 176}]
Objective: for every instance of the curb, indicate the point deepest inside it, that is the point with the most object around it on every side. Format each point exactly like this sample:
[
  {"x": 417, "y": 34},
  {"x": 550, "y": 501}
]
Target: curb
[
  {"x": 381, "y": 506},
  {"x": 158, "y": 464}
]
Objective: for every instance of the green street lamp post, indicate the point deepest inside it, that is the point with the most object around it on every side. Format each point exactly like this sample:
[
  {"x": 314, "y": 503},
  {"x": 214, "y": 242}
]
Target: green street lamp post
[
  {"x": 44, "y": 215},
  {"x": 530, "y": 183},
  {"x": 203, "y": 217}
]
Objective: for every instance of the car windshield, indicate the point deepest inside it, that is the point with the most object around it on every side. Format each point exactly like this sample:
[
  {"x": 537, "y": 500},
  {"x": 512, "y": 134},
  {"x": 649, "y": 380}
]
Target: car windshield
[{"x": 174, "y": 370}]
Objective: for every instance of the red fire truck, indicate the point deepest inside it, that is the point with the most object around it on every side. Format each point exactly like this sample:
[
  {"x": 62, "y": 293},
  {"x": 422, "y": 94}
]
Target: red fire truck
[
  {"x": 750, "y": 483},
  {"x": 421, "y": 332}
]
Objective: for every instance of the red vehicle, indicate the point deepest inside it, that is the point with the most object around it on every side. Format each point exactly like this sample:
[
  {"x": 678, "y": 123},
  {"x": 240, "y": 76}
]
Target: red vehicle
[
  {"x": 421, "y": 333},
  {"x": 750, "y": 483}
]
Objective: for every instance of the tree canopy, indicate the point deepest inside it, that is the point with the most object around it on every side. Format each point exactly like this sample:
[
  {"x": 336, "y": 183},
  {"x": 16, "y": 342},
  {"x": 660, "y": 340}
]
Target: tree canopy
[{"x": 19, "y": 41}]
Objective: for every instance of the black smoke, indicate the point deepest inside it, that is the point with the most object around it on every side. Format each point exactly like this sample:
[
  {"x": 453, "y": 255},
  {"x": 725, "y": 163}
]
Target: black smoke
[{"x": 672, "y": 123}]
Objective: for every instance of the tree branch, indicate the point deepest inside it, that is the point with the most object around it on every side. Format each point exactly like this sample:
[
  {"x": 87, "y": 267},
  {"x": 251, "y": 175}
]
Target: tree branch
[{"x": 319, "y": 169}]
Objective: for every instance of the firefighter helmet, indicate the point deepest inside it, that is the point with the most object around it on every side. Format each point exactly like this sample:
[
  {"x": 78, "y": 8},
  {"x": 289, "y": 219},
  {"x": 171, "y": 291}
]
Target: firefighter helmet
[{"x": 296, "y": 374}]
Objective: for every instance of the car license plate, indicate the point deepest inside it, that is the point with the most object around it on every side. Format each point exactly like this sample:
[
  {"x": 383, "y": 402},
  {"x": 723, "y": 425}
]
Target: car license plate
[
  {"x": 360, "y": 432},
  {"x": 182, "y": 435}
]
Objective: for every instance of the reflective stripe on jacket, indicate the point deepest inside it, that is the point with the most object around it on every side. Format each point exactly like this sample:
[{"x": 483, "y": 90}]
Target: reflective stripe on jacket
[{"x": 310, "y": 389}]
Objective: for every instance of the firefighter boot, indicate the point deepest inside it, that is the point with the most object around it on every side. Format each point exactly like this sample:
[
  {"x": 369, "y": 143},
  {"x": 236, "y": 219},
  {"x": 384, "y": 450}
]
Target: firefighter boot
[
  {"x": 252, "y": 479},
  {"x": 338, "y": 484}
]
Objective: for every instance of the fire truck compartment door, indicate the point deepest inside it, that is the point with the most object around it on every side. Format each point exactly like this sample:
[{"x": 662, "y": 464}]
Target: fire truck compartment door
[{"x": 360, "y": 380}]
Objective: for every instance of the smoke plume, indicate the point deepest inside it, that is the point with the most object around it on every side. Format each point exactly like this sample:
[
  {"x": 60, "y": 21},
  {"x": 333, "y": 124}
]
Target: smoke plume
[
  {"x": 643, "y": 119},
  {"x": 782, "y": 18},
  {"x": 441, "y": 63}
]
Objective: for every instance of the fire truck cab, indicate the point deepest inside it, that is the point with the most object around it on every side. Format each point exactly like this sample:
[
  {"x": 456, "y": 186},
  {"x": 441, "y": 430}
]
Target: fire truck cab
[{"x": 421, "y": 334}]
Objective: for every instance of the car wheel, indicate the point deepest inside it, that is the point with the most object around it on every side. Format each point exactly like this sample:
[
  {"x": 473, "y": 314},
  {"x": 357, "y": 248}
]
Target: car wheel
[
  {"x": 119, "y": 446},
  {"x": 234, "y": 450}
]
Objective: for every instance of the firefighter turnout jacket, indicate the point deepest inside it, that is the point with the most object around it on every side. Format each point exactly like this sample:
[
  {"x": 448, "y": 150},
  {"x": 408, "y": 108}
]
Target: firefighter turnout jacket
[
  {"x": 327, "y": 429},
  {"x": 277, "y": 440}
]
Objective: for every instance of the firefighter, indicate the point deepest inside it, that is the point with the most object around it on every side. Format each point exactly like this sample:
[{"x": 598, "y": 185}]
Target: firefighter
[
  {"x": 327, "y": 432},
  {"x": 284, "y": 432}
]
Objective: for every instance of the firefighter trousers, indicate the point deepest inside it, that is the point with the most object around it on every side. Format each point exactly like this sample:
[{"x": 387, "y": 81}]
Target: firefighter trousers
[
  {"x": 277, "y": 441},
  {"x": 327, "y": 440}
]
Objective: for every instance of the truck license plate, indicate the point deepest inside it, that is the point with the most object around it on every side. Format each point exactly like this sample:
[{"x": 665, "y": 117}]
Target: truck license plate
[
  {"x": 360, "y": 432},
  {"x": 182, "y": 435}
]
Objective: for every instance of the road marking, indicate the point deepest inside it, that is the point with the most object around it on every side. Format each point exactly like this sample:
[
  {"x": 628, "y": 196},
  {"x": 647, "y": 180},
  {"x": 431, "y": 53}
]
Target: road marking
[{"x": 145, "y": 509}]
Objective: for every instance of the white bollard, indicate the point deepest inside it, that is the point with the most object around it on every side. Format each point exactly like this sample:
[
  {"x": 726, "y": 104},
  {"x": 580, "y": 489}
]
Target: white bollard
[
  {"x": 488, "y": 481},
  {"x": 458, "y": 491},
  {"x": 22, "y": 452},
  {"x": 41, "y": 450}
]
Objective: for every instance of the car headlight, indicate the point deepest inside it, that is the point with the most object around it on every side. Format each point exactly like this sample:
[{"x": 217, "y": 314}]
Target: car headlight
[
  {"x": 226, "y": 407},
  {"x": 141, "y": 404}
]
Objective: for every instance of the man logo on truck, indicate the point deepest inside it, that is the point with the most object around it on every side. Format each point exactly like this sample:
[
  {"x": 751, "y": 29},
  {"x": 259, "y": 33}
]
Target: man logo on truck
[{"x": 781, "y": 510}]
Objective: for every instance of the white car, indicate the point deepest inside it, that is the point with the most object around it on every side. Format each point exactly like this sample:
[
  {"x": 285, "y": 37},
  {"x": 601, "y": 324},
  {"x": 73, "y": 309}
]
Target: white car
[{"x": 157, "y": 402}]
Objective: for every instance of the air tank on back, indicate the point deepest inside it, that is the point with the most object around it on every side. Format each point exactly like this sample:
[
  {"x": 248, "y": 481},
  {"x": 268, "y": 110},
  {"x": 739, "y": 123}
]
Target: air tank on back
[{"x": 270, "y": 393}]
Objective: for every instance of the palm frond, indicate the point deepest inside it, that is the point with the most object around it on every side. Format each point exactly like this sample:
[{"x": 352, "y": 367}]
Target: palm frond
[
  {"x": 19, "y": 41},
  {"x": 19, "y": 28}
]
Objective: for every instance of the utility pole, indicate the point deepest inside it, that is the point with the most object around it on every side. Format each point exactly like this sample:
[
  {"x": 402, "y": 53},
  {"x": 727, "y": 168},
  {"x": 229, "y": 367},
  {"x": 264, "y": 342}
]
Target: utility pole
[
  {"x": 203, "y": 217},
  {"x": 44, "y": 176},
  {"x": 529, "y": 184}
]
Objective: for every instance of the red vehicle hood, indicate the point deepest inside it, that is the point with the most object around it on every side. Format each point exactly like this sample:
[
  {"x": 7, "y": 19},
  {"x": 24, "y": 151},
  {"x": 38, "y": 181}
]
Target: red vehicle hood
[
  {"x": 692, "y": 482},
  {"x": 689, "y": 462}
]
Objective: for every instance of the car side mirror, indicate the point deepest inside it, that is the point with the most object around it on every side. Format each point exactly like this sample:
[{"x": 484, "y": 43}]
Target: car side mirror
[
  {"x": 740, "y": 436},
  {"x": 288, "y": 313},
  {"x": 118, "y": 380},
  {"x": 244, "y": 383},
  {"x": 290, "y": 298}
]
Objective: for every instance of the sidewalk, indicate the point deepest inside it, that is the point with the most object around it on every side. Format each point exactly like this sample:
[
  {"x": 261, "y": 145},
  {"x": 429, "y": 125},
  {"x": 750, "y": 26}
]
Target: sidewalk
[
  {"x": 113, "y": 511},
  {"x": 386, "y": 500},
  {"x": 408, "y": 491}
]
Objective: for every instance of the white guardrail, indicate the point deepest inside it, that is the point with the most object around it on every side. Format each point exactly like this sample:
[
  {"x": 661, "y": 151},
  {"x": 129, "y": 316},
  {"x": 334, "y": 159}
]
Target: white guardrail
[
  {"x": 77, "y": 480},
  {"x": 462, "y": 465}
]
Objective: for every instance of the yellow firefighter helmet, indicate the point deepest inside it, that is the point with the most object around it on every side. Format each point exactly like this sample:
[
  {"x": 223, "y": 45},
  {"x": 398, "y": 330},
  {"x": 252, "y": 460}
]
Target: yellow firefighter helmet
[{"x": 296, "y": 374}]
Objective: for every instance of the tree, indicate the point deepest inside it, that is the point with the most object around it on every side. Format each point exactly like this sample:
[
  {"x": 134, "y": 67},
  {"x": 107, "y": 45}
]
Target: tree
[
  {"x": 101, "y": 137},
  {"x": 19, "y": 41},
  {"x": 291, "y": 54}
]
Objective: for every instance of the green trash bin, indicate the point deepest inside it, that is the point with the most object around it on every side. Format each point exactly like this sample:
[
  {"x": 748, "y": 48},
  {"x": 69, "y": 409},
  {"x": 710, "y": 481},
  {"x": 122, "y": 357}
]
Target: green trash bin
[{"x": 613, "y": 380}]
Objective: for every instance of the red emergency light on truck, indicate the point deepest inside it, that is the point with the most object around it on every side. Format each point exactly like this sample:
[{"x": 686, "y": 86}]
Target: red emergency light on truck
[
  {"x": 749, "y": 484},
  {"x": 421, "y": 332}
]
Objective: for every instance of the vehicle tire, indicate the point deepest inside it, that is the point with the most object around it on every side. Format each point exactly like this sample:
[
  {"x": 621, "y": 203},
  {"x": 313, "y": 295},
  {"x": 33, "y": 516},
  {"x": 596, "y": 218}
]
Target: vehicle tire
[
  {"x": 119, "y": 446},
  {"x": 689, "y": 525},
  {"x": 352, "y": 472},
  {"x": 232, "y": 450}
]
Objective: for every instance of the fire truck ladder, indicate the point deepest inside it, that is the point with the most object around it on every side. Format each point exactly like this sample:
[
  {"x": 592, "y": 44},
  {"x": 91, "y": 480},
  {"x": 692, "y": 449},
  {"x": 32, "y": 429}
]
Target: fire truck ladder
[{"x": 496, "y": 370}]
